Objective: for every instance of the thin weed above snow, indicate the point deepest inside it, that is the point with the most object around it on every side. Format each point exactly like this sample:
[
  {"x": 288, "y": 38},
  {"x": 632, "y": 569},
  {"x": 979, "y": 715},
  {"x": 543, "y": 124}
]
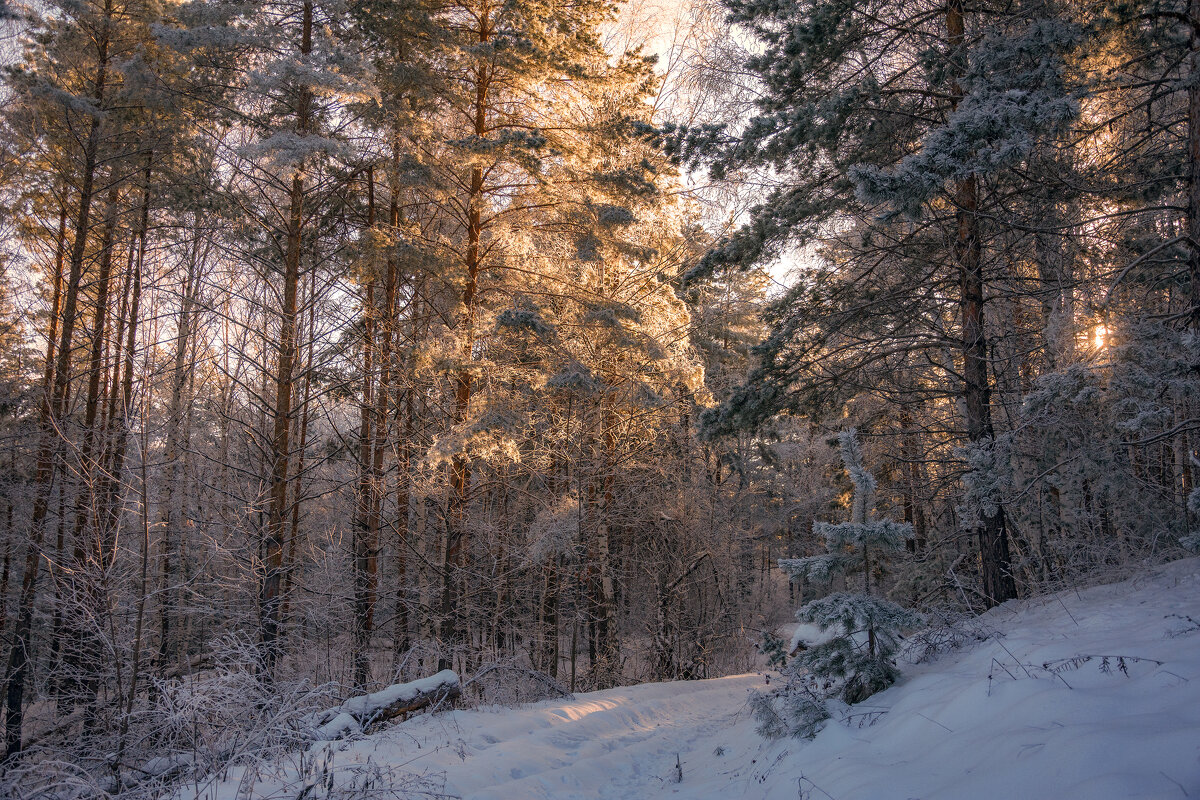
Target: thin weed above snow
[{"x": 1190, "y": 626}]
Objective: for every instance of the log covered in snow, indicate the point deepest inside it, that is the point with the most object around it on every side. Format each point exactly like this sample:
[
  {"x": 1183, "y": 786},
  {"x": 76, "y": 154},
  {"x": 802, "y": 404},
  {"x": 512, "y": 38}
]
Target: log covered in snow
[{"x": 360, "y": 713}]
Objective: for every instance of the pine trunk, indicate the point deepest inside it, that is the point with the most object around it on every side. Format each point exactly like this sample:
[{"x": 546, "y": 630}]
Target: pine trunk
[
  {"x": 1193, "y": 161},
  {"x": 452, "y": 631},
  {"x": 281, "y": 456},
  {"x": 998, "y": 583}
]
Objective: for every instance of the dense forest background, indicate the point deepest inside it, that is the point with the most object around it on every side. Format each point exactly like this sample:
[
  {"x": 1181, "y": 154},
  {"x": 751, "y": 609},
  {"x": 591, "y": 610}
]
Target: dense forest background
[{"x": 344, "y": 342}]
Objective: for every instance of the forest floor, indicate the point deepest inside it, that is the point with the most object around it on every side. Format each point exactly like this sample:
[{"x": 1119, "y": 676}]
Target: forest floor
[{"x": 1084, "y": 694}]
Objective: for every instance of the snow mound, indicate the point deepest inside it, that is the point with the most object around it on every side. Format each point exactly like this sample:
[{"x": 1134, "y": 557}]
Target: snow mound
[
  {"x": 809, "y": 635},
  {"x": 358, "y": 712},
  {"x": 1092, "y": 695},
  {"x": 367, "y": 704}
]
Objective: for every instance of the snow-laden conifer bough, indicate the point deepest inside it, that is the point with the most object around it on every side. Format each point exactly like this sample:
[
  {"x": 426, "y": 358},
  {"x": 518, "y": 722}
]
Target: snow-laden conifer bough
[{"x": 1083, "y": 695}]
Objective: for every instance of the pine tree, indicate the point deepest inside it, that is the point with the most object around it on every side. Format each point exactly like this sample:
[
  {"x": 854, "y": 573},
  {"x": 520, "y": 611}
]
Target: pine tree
[
  {"x": 880, "y": 130},
  {"x": 522, "y": 87},
  {"x": 292, "y": 72},
  {"x": 89, "y": 123}
]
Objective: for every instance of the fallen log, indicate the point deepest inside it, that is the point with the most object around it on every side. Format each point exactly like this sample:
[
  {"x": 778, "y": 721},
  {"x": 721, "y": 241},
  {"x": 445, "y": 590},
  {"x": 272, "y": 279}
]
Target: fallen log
[{"x": 363, "y": 713}]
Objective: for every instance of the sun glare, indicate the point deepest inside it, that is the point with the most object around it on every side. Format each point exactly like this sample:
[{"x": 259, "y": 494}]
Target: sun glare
[{"x": 1100, "y": 337}]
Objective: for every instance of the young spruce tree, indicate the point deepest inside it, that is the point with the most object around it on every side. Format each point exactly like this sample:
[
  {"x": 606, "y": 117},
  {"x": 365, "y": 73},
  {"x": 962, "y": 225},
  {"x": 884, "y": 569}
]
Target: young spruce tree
[{"x": 857, "y": 661}]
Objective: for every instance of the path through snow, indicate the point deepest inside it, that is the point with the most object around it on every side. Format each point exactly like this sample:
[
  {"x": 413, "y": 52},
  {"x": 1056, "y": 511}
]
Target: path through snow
[{"x": 620, "y": 743}]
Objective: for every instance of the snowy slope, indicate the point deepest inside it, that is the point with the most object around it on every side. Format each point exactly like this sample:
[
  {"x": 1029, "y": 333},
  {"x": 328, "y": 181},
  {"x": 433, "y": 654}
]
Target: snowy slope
[{"x": 993, "y": 721}]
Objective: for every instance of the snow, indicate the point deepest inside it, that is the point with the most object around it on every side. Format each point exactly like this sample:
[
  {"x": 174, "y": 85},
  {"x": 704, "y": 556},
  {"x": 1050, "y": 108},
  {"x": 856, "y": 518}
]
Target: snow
[
  {"x": 369, "y": 704},
  {"x": 344, "y": 724},
  {"x": 1020, "y": 715},
  {"x": 350, "y": 717},
  {"x": 165, "y": 764},
  {"x": 809, "y": 635}
]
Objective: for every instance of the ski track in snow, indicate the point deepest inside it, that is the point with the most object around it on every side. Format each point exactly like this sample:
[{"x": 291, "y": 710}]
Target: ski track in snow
[
  {"x": 613, "y": 744},
  {"x": 946, "y": 731}
]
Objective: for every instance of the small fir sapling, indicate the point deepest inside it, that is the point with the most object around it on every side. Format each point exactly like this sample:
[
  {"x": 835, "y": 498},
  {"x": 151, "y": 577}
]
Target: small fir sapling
[{"x": 858, "y": 661}]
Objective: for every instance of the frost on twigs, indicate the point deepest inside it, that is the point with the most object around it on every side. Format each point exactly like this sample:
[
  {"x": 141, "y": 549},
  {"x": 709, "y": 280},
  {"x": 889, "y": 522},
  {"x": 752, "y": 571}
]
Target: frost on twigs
[
  {"x": 1016, "y": 95},
  {"x": 988, "y": 479},
  {"x": 816, "y": 569},
  {"x": 508, "y": 682},
  {"x": 945, "y": 632},
  {"x": 554, "y": 531},
  {"x": 490, "y": 437}
]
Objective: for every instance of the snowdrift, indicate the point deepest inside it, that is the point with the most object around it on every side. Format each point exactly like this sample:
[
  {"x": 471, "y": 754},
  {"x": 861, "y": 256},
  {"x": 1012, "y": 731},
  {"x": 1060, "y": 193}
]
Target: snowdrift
[{"x": 1091, "y": 695}]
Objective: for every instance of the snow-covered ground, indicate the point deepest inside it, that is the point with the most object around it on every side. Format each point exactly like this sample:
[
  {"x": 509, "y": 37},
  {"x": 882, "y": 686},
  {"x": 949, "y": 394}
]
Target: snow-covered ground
[{"x": 1019, "y": 716}]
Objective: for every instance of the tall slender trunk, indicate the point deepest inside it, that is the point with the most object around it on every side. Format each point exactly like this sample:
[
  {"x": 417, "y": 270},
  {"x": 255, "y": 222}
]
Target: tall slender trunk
[
  {"x": 60, "y": 252},
  {"x": 144, "y": 583},
  {"x": 400, "y": 641},
  {"x": 47, "y": 394},
  {"x": 1193, "y": 212},
  {"x": 6, "y": 565},
  {"x": 404, "y": 456},
  {"x": 172, "y": 503},
  {"x": 89, "y": 553},
  {"x": 385, "y": 331},
  {"x": 460, "y": 470},
  {"x": 914, "y": 510},
  {"x": 123, "y": 395},
  {"x": 603, "y": 602},
  {"x": 385, "y": 389},
  {"x": 281, "y": 456},
  {"x": 403, "y": 398},
  {"x": 547, "y": 606},
  {"x": 998, "y": 583},
  {"x": 548, "y": 650},
  {"x": 364, "y": 547},
  {"x": 290, "y": 563},
  {"x": 87, "y": 500}
]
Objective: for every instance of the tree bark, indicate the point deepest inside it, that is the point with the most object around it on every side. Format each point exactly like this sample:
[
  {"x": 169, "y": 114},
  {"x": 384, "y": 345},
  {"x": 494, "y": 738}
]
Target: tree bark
[
  {"x": 281, "y": 456},
  {"x": 172, "y": 502},
  {"x": 459, "y": 469},
  {"x": 365, "y": 533},
  {"x": 998, "y": 583},
  {"x": 1193, "y": 212}
]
